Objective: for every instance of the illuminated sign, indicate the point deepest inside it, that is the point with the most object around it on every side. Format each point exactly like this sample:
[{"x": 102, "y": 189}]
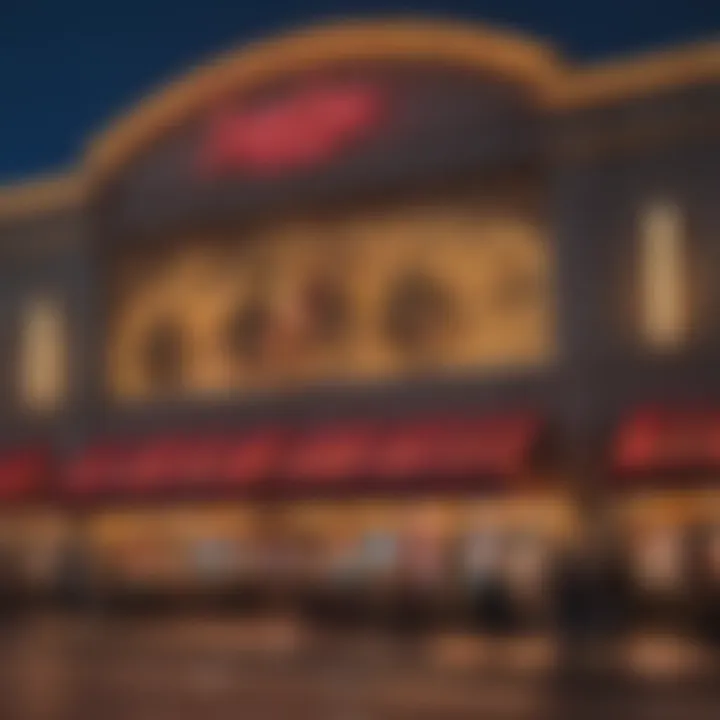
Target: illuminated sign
[{"x": 308, "y": 127}]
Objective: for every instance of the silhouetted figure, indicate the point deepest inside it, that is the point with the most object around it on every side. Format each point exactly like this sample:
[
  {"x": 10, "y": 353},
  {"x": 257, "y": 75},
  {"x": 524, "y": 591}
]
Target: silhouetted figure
[
  {"x": 75, "y": 581},
  {"x": 10, "y": 584},
  {"x": 493, "y": 609},
  {"x": 573, "y": 592},
  {"x": 704, "y": 566},
  {"x": 419, "y": 577},
  {"x": 577, "y": 594},
  {"x": 615, "y": 592}
]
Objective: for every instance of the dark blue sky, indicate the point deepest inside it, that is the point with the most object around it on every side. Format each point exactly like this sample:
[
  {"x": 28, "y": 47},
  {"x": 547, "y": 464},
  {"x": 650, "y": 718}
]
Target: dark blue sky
[{"x": 67, "y": 68}]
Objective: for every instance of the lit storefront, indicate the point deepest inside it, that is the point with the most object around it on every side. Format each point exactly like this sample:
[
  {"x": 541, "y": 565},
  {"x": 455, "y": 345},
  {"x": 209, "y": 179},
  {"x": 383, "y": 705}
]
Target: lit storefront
[
  {"x": 362, "y": 300},
  {"x": 667, "y": 505}
]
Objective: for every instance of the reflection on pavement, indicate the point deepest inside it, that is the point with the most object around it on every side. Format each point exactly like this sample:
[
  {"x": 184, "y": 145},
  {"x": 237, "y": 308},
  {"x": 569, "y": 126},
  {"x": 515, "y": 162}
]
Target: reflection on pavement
[{"x": 75, "y": 669}]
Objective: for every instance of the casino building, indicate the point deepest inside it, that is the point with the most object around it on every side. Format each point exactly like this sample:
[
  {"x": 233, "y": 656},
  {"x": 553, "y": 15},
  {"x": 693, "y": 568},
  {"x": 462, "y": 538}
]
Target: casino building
[{"x": 369, "y": 280}]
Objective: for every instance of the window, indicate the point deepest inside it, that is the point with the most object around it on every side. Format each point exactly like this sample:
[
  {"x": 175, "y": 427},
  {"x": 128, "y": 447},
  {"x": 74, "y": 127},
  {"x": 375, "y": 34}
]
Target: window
[
  {"x": 329, "y": 311},
  {"x": 662, "y": 272},
  {"x": 163, "y": 355},
  {"x": 247, "y": 331},
  {"x": 418, "y": 313},
  {"x": 42, "y": 354}
]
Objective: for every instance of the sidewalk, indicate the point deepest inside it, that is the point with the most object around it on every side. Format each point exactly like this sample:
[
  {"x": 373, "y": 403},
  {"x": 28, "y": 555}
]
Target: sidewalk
[
  {"x": 184, "y": 668},
  {"x": 642, "y": 656}
]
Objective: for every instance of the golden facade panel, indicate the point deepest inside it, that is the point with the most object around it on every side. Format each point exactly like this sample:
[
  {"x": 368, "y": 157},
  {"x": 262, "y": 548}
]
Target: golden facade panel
[{"x": 422, "y": 288}]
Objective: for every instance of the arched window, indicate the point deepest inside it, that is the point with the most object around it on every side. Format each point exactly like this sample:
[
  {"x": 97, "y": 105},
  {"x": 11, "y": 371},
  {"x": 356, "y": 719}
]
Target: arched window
[
  {"x": 329, "y": 311},
  {"x": 163, "y": 355},
  {"x": 418, "y": 313},
  {"x": 247, "y": 331}
]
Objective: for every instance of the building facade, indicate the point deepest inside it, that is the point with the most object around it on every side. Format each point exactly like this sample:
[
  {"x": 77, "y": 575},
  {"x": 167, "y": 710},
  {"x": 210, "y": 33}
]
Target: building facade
[{"x": 378, "y": 223}]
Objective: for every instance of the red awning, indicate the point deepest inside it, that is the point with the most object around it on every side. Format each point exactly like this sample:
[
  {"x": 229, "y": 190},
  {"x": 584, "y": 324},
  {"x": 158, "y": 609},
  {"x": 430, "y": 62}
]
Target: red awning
[
  {"x": 408, "y": 450},
  {"x": 667, "y": 440},
  {"x": 251, "y": 457},
  {"x": 455, "y": 447},
  {"x": 157, "y": 463},
  {"x": 498, "y": 446},
  {"x": 329, "y": 455},
  {"x": 200, "y": 460},
  {"x": 203, "y": 462},
  {"x": 173, "y": 462},
  {"x": 97, "y": 469},
  {"x": 23, "y": 473}
]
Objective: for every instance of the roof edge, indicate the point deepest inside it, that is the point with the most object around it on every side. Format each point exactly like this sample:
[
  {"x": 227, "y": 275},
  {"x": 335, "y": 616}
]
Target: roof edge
[
  {"x": 42, "y": 195},
  {"x": 557, "y": 85},
  {"x": 638, "y": 75},
  {"x": 527, "y": 60}
]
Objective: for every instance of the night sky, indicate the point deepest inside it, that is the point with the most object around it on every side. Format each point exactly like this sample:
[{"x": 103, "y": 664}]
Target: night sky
[{"x": 67, "y": 68}]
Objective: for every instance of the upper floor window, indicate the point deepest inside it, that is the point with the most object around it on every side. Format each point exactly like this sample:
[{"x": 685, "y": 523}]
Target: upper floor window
[
  {"x": 663, "y": 290},
  {"x": 42, "y": 354}
]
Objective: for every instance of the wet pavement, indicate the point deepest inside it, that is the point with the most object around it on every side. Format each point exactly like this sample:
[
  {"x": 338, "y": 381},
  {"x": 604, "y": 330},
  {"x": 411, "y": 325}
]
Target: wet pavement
[{"x": 100, "y": 669}]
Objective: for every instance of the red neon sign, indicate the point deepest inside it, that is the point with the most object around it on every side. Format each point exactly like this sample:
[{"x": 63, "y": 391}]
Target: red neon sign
[{"x": 309, "y": 127}]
